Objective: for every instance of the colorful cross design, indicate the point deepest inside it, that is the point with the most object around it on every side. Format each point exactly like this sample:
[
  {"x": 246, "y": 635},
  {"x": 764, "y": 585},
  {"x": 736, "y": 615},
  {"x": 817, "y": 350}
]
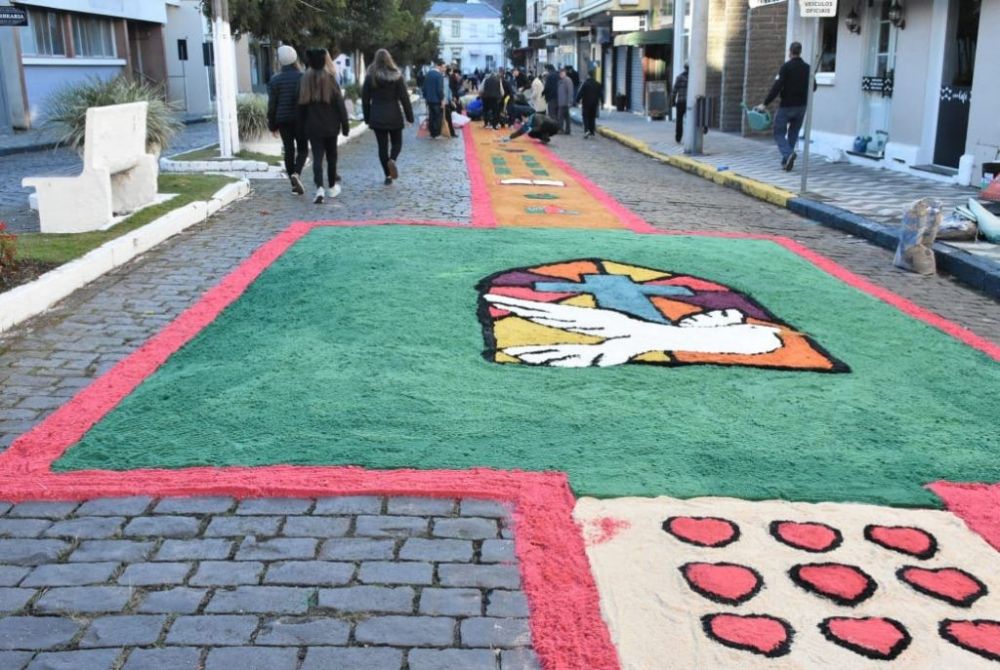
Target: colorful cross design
[{"x": 618, "y": 292}]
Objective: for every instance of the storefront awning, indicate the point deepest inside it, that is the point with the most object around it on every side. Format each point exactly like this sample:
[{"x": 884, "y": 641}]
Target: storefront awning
[{"x": 644, "y": 37}]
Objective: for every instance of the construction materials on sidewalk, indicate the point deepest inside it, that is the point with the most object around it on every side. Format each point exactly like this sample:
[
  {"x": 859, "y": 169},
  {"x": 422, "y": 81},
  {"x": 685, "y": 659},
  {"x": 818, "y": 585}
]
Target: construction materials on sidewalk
[{"x": 921, "y": 222}]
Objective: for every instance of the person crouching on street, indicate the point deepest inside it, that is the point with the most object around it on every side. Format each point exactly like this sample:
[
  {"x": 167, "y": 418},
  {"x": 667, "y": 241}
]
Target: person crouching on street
[
  {"x": 323, "y": 116},
  {"x": 590, "y": 96},
  {"x": 283, "y": 115},
  {"x": 540, "y": 127},
  {"x": 385, "y": 103}
]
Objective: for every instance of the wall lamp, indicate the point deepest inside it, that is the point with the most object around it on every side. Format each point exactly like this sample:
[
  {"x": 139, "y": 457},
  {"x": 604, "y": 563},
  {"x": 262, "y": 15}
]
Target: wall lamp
[
  {"x": 896, "y": 15},
  {"x": 852, "y": 22}
]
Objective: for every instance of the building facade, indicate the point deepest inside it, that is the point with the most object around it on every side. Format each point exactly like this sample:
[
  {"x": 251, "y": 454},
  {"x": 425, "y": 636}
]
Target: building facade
[
  {"x": 915, "y": 78},
  {"x": 69, "y": 41},
  {"x": 471, "y": 34}
]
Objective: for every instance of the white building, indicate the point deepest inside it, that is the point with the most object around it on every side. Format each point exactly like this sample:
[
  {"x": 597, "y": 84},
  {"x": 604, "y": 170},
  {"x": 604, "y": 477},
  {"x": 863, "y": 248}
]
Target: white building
[
  {"x": 471, "y": 34},
  {"x": 188, "y": 42}
]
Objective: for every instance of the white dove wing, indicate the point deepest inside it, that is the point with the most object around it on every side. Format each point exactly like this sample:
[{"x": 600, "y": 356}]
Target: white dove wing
[{"x": 582, "y": 320}]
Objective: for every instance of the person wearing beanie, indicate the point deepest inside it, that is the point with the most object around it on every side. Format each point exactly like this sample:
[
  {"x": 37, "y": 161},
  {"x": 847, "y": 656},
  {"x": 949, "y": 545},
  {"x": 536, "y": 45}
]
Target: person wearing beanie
[
  {"x": 322, "y": 115},
  {"x": 283, "y": 115},
  {"x": 386, "y": 104}
]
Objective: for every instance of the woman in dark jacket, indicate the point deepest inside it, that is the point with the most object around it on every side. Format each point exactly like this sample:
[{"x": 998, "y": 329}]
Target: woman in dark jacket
[
  {"x": 323, "y": 116},
  {"x": 385, "y": 101}
]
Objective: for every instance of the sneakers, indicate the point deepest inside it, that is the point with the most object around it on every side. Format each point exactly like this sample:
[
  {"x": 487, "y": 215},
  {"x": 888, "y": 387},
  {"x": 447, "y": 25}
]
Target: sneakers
[
  {"x": 333, "y": 192},
  {"x": 393, "y": 170},
  {"x": 388, "y": 181},
  {"x": 297, "y": 187},
  {"x": 790, "y": 163},
  {"x": 319, "y": 196}
]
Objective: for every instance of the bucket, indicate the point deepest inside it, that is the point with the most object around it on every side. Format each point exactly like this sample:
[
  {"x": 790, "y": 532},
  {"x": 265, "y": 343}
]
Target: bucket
[{"x": 757, "y": 120}]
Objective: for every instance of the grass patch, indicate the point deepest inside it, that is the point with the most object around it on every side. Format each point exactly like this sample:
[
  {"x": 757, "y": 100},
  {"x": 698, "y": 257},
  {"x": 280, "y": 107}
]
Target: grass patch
[
  {"x": 212, "y": 154},
  {"x": 55, "y": 248}
]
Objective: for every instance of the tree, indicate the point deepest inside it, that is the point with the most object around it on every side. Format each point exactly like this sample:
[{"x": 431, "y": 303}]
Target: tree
[
  {"x": 346, "y": 26},
  {"x": 513, "y": 18}
]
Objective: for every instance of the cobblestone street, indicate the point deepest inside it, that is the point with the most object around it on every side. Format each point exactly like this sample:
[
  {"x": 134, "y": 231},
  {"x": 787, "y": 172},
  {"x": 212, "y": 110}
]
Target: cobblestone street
[{"x": 306, "y": 584}]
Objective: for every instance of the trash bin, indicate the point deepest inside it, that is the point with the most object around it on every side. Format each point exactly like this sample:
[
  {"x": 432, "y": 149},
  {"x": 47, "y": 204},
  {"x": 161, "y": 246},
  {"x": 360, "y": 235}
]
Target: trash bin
[{"x": 620, "y": 102}]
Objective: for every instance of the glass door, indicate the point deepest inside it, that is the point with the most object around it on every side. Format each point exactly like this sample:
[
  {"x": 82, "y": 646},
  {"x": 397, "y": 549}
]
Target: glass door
[{"x": 877, "y": 82}]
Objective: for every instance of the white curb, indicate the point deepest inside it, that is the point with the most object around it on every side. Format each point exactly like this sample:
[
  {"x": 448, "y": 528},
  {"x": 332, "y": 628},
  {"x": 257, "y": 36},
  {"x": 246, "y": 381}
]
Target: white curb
[
  {"x": 250, "y": 169},
  {"x": 35, "y": 297}
]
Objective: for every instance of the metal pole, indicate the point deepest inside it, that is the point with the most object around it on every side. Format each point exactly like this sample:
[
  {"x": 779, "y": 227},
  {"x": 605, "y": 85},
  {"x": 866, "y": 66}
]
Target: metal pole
[
  {"x": 803, "y": 187},
  {"x": 697, "y": 75},
  {"x": 679, "y": 54}
]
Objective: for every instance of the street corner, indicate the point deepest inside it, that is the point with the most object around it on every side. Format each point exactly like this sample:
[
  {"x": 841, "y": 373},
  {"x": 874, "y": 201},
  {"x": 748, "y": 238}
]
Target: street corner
[{"x": 724, "y": 582}]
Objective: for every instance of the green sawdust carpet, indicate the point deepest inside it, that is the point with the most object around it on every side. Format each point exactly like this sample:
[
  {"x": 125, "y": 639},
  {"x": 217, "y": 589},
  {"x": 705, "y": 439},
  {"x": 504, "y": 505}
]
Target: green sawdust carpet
[{"x": 361, "y": 346}]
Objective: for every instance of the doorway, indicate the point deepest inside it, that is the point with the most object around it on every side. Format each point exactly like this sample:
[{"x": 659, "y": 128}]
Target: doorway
[
  {"x": 956, "y": 82},
  {"x": 877, "y": 83}
]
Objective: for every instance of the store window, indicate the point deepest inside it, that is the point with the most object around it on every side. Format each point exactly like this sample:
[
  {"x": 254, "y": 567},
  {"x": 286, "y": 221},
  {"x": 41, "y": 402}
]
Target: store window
[
  {"x": 43, "y": 36},
  {"x": 456, "y": 28},
  {"x": 93, "y": 37},
  {"x": 828, "y": 41}
]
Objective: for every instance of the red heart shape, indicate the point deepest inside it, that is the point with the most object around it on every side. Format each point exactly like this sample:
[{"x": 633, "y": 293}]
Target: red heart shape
[
  {"x": 703, "y": 531},
  {"x": 807, "y": 536},
  {"x": 725, "y": 583},
  {"x": 759, "y": 633},
  {"x": 880, "y": 638},
  {"x": 904, "y": 539},
  {"x": 980, "y": 636},
  {"x": 843, "y": 584},
  {"x": 951, "y": 585}
]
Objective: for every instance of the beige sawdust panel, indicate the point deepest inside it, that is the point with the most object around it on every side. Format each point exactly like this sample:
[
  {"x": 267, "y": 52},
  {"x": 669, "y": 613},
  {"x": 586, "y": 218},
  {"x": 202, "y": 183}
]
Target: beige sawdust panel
[{"x": 655, "y": 618}]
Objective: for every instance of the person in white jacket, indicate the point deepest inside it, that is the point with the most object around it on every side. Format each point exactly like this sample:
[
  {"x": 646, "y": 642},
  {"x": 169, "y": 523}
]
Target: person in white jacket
[{"x": 538, "y": 95}]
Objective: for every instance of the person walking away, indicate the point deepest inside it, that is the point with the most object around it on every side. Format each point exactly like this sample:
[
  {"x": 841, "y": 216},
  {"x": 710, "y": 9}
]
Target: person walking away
[
  {"x": 385, "y": 103},
  {"x": 537, "y": 95},
  {"x": 551, "y": 91},
  {"x": 679, "y": 99},
  {"x": 589, "y": 96},
  {"x": 565, "y": 99},
  {"x": 491, "y": 93},
  {"x": 433, "y": 91},
  {"x": 449, "y": 104},
  {"x": 539, "y": 127},
  {"x": 323, "y": 116},
  {"x": 283, "y": 115},
  {"x": 792, "y": 84}
]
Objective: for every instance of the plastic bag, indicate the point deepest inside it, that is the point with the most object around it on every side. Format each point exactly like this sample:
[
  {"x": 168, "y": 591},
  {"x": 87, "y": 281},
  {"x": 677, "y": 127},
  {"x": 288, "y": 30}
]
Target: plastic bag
[
  {"x": 921, "y": 222},
  {"x": 423, "y": 129},
  {"x": 957, "y": 227},
  {"x": 459, "y": 120},
  {"x": 991, "y": 192}
]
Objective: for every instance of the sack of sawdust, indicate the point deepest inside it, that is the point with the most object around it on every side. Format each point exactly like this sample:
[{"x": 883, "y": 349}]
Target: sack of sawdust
[{"x": 921, "y": 222}]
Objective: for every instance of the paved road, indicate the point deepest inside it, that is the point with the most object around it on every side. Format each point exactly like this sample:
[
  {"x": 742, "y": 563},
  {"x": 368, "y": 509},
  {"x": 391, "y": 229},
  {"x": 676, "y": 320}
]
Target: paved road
[
  {"x": 76, "y": 563},
  {"x": 14, "y": 199}
]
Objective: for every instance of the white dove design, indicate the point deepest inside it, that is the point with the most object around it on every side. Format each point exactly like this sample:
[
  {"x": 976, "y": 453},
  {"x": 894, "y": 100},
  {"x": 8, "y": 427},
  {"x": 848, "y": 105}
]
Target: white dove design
[{"x": 717, "y": 332}]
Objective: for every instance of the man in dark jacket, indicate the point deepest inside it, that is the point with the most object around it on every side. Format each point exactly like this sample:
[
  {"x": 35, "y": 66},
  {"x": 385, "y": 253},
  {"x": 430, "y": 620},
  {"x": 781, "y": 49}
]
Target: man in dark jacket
[
  {"x": 679, "y": 98},
  {"x": 792, "y": 84},
  {"x": 590, "y": 96},
  {"x": 433, "y": 90},
  {"x": 551, "y": 91},
  {"x": 283, "y": 115},
  {"x": 491, "y": 93}
]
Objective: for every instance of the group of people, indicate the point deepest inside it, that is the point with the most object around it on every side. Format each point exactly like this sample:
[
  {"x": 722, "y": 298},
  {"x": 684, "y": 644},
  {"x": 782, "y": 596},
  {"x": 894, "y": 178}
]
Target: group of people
[
  {"x": 538, "y": 104},
  {"x": 308, "y": 111}
]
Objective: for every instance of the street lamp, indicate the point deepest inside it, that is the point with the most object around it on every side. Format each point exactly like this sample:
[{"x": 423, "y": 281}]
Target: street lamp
[
  {"x": 852, "y": 22},
  {"x": 896, "y": 15}
]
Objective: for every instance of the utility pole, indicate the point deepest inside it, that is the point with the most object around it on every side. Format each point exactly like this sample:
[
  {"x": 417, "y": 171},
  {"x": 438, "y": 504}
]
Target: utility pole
[
  {"x": 697, "y": 76},
  {"x": 807, "y": 140},
  {"x": 225, "y": 80}
]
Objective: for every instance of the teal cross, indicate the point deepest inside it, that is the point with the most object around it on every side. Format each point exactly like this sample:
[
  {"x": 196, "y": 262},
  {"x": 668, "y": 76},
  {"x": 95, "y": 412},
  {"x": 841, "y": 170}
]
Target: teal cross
[{"x": 618, "y": 292}]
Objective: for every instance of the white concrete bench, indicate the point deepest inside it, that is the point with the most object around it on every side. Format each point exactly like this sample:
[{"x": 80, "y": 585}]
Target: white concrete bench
[{"x": 118, "y": 175}]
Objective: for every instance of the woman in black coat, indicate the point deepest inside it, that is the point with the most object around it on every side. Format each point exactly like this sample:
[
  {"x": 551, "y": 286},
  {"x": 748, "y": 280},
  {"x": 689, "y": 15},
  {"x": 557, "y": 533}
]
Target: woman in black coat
[
  {"x": 323, "y": 116},
  {"x": 385, "y": 102}
]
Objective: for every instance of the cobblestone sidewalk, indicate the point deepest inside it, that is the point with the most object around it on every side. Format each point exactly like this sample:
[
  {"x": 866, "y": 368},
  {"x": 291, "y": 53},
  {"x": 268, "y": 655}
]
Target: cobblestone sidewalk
[
  {"x": 275, "y": 584},
  {"x": 879, "y": 195}
]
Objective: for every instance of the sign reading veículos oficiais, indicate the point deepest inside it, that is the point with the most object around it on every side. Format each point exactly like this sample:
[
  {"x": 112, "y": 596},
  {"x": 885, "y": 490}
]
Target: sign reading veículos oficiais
[{"x": 817, "y": 9}]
